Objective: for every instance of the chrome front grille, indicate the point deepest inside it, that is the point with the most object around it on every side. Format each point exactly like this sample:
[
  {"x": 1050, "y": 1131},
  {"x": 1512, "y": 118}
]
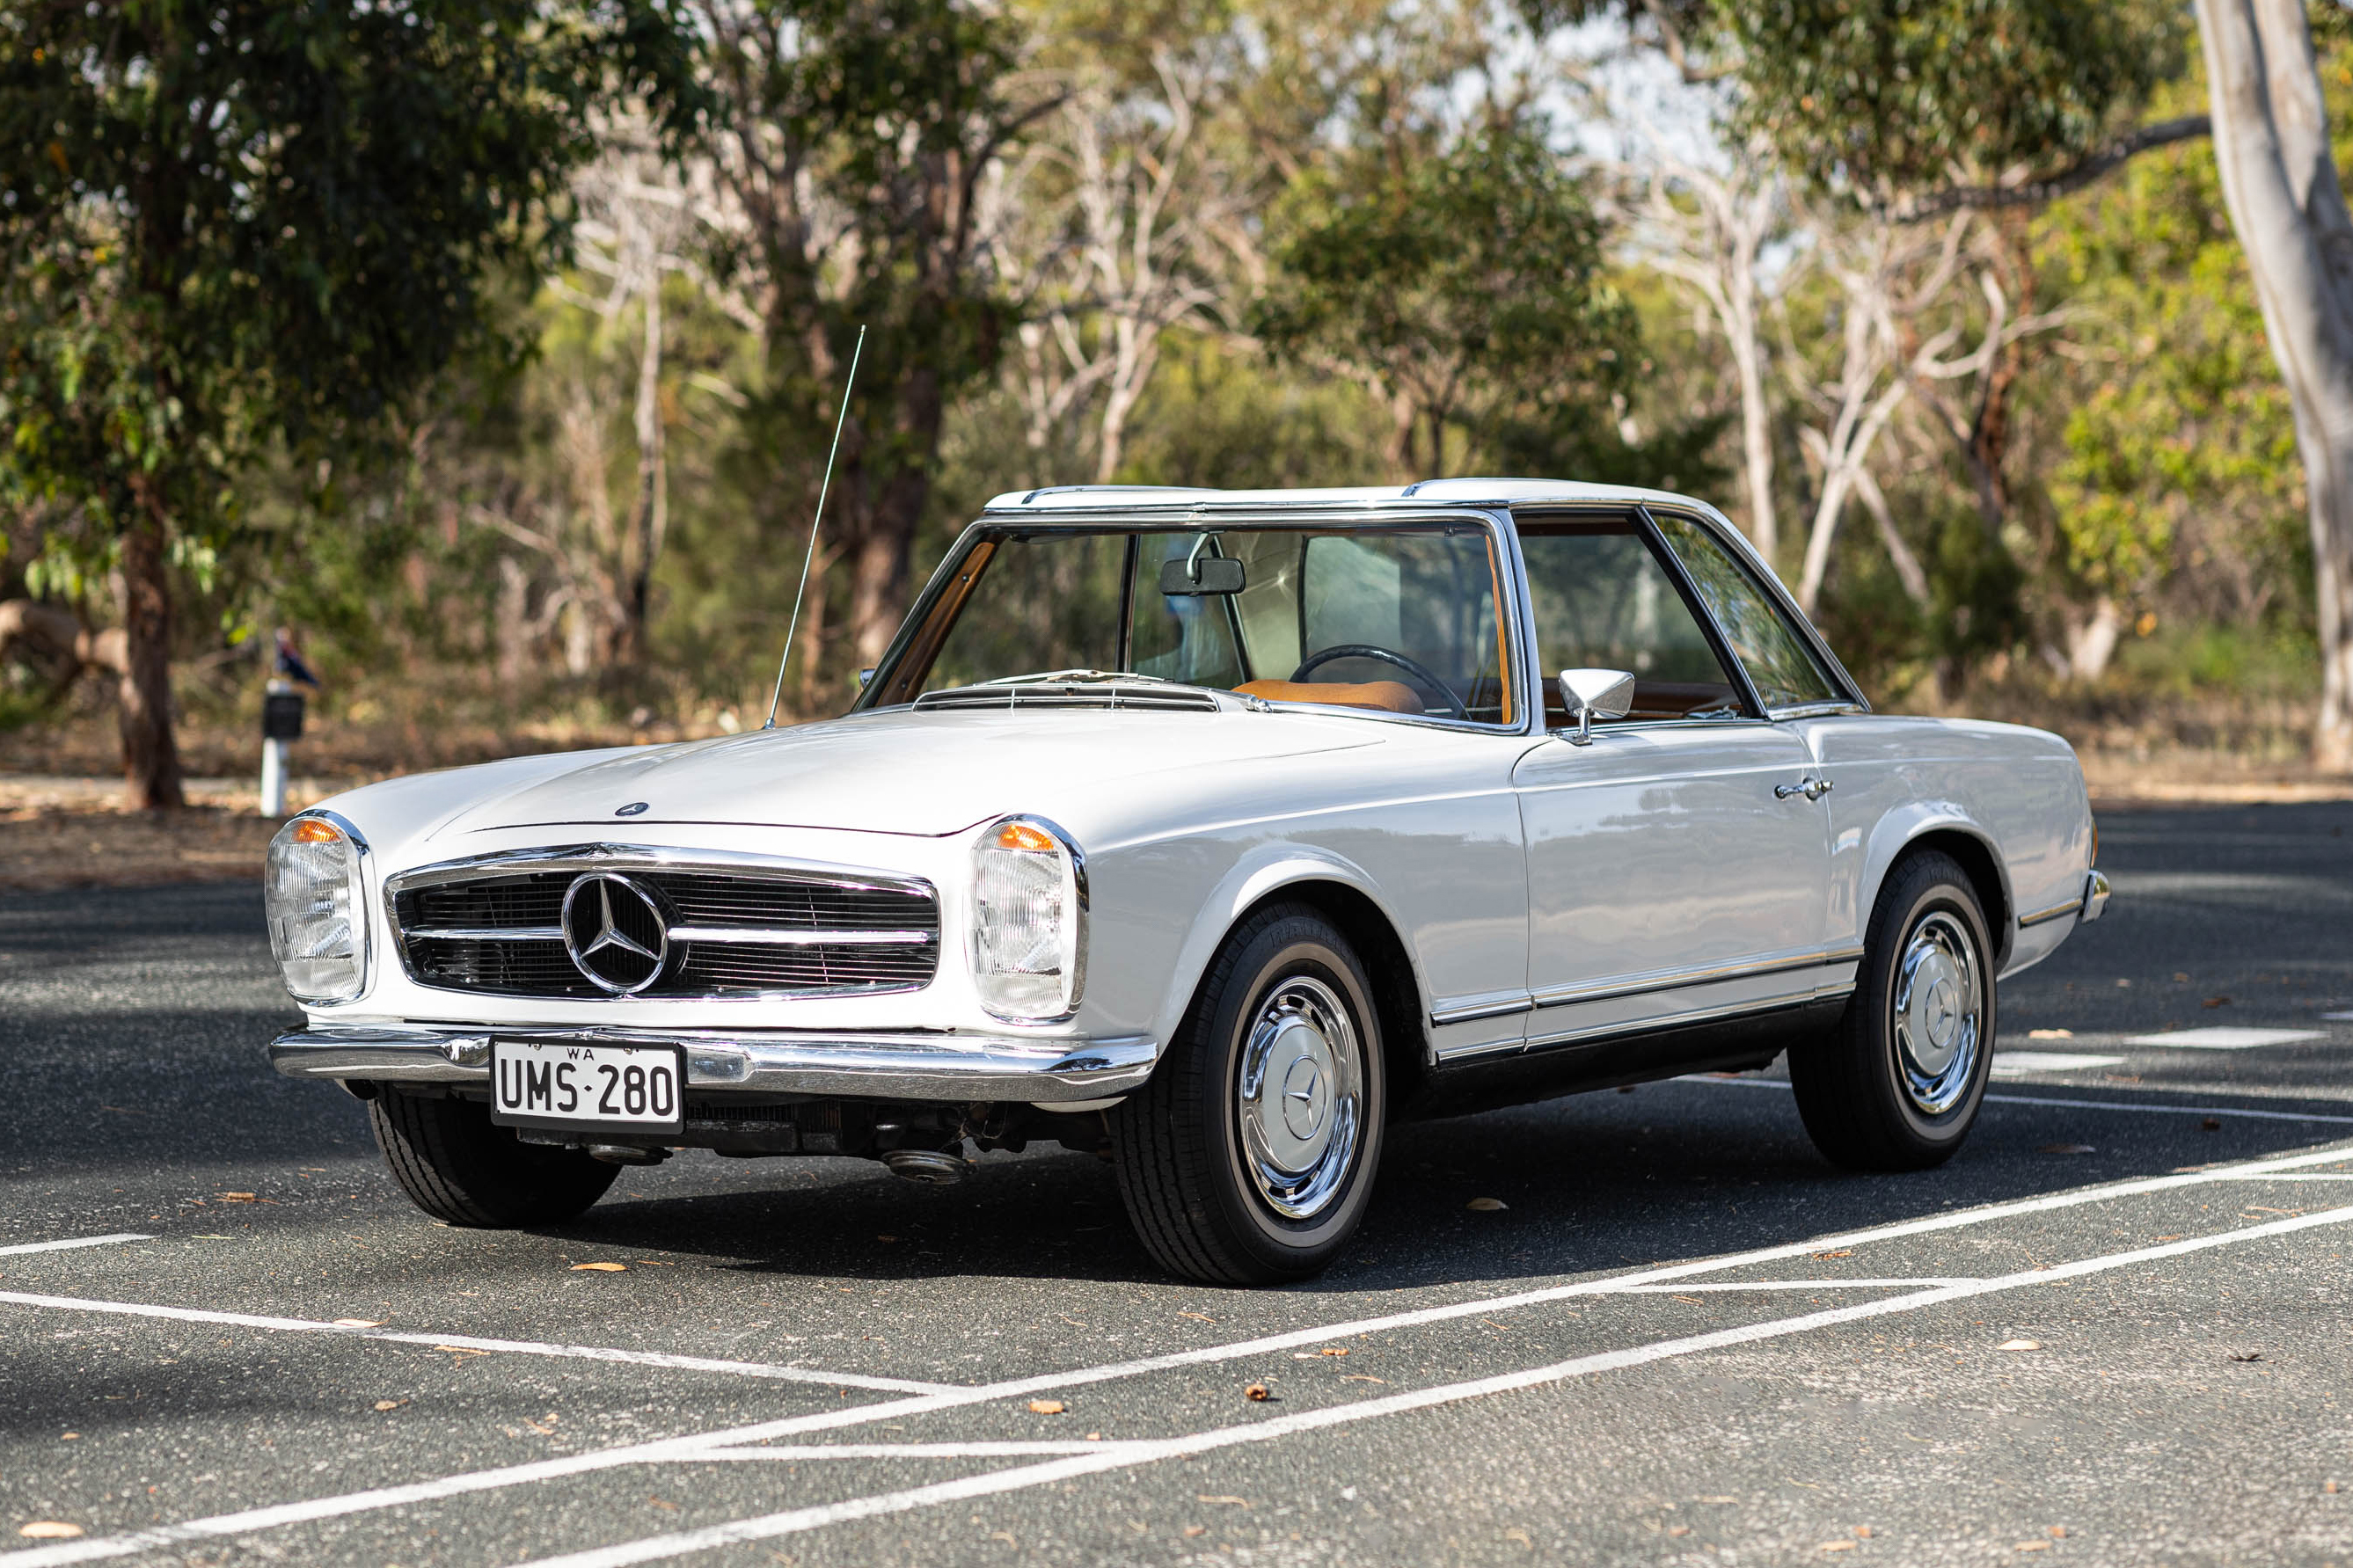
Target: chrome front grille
[{"x": 742, "y": 928}]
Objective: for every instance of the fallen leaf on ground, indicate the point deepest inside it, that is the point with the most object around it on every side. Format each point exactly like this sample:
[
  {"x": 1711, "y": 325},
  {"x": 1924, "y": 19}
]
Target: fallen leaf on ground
[
  {"x": 2246, "y": 1355},
  {"x": 1863, "y": 1532},
  {"x": 1335, "y": 1350},
  {"x": 1205, "y": 1497},
  {"x": 2212, "y": 1124},
  {"x": 886, "y": 1238},
  {"x": 1197, "y": 1529},
  {"x": 1046, "y": 1407},
  {"x": 237, "y": 1197},
  {"x": 1838, "y": 1546},
  {"x": 459, "y": 1349},
  {"x": 51, "y": 1530},
  {"x": 2033, "y": 1546},
  {"x": 1486, "y": 1205},
  {"x": 2059, "y": 1532},
  {"x": 68, "y": 1437},
  {"x": 2068, "y": 1149},
  {"x": 2329, "y": 1486},
  {"x": 2050, "y": 1034},
  {"x": 389, "y": 1404},
  {"x": 1364, "y": 1377},
  {"x": 662, "y": 1503},
  {"x": 600, "y": 1267},
  {"x": 1256, "y": 1391},
  {"x": 1842, "y": 1252},
  {"x": 2215, "y": 1002},
  {"x": 2020, "y": 1345},
  {"x": 358, "y": 1323}
]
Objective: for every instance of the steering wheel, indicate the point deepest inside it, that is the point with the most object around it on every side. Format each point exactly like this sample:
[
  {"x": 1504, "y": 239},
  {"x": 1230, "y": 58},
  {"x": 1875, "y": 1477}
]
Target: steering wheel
[{"x": 1419, "y": 671}]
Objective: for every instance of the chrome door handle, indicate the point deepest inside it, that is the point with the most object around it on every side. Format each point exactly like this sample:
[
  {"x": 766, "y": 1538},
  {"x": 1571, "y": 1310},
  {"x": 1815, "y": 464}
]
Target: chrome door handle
[
  {"x": 1812, "y": 789},
  {"x": 1817, "y": 789}
]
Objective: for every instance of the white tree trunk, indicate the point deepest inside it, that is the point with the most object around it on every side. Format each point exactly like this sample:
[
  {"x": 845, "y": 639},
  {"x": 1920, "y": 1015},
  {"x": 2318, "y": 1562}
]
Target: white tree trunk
[{"x": 2280, "y": 183}]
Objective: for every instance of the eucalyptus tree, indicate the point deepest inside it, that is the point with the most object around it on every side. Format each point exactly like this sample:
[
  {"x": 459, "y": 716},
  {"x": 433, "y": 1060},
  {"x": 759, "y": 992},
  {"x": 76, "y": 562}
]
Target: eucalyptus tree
[
  {"x": 230, "y": 228},
  {"x": 2281, "y": 184}
]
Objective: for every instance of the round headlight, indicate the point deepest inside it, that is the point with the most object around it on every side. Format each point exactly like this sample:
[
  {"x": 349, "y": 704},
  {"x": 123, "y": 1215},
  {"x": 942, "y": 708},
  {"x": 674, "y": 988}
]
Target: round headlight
[
  {"x": 1028, "y": 920},
  {"x": 318, "y": 924}
]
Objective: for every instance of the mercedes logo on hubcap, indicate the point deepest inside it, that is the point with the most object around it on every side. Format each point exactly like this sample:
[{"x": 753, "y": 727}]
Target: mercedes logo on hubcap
[{"x": 615, "y": 932}]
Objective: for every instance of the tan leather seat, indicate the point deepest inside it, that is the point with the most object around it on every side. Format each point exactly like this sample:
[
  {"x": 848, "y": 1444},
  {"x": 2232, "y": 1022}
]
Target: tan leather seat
[{"x": 1389, "y": 696}]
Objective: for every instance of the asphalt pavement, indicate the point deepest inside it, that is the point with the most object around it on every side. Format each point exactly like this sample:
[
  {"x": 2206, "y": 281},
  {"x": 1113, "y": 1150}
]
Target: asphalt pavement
[{"x": 2113, "y": 1330}]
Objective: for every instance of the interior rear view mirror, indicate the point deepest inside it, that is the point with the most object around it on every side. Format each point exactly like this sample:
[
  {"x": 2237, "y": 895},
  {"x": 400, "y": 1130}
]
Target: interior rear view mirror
[
  {"x": 1201, "y": 574},
  {"x": 1590, "y": 694}
]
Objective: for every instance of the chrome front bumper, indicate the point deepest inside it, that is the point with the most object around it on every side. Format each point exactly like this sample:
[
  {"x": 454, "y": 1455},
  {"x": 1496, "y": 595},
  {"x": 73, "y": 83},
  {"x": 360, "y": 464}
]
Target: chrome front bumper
[{"x": 965, "y": 1068}]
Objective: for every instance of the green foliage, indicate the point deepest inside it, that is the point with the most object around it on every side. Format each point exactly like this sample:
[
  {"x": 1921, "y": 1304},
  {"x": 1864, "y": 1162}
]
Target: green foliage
[
  {"x": 231, "y": 225},
  {"x": 1468, "y": 284},
  {"x": 2179, "y": 443},
  {"x": 1882, "y": 97}
]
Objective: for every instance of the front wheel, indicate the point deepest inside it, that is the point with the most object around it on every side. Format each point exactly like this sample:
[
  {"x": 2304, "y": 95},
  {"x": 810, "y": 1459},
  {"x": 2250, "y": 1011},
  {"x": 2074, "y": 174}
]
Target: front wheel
[
  {"x": 1249, "y": 1157},
  {"x": 458, "y": 1166},
  {"x": 1897, "y": 1084}
]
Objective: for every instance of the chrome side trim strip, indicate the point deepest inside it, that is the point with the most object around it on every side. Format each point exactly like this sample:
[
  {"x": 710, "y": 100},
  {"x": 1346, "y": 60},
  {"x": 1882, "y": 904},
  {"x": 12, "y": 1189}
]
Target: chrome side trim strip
[
  {"x": 1676, "y": 980},
  {"x": 1690, "y": 1016},
  {"x": 879, "y": 1065},
  {"x": 1473, "y": 1009},
  {"x": 2092, "y": 905},
  {"x": 2055, "y": 912}
]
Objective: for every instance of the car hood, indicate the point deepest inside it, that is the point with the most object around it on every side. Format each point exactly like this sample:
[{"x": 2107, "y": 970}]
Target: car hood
[{"x": 899, "y": 772}]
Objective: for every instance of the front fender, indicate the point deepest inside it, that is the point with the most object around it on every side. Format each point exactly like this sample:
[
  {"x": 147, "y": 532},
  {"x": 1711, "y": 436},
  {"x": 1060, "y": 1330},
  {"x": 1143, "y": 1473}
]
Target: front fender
[{"x": 1261, "y": 873}]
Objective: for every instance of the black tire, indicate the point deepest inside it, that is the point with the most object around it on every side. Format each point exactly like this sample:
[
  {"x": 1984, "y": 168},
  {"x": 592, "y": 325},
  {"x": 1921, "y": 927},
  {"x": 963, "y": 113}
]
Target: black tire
[
  {"x": 1867, "y": 1101},
  {"x": 1178, "y": 1142},
  {"x": 458, "y": 1167}
]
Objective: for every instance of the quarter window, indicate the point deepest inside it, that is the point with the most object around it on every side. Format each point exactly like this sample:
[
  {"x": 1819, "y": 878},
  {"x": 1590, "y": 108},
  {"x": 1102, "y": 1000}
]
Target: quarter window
[{"x": 1785, "y": 671}]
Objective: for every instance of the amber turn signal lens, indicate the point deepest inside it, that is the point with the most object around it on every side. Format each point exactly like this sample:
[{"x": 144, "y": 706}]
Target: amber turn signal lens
[
  {"x": 1021, "y": 836},
  {"x": 311, "y": 830}
]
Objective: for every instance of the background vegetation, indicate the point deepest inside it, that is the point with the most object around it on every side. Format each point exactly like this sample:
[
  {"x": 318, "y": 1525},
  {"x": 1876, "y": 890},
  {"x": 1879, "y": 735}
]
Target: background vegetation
[{"x": 513, "y": 400}]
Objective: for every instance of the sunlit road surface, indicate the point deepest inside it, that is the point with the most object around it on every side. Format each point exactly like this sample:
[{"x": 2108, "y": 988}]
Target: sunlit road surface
[{"x": 2114, "y": 1329}]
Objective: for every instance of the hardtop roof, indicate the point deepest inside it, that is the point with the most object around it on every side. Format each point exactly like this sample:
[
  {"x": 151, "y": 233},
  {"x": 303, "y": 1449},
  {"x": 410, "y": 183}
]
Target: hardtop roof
[{"x": 1460, "y": 493}]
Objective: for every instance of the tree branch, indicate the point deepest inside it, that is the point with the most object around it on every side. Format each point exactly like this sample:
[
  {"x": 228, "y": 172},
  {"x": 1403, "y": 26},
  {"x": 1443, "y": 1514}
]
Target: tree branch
[{"x": 2035, "y": 193}]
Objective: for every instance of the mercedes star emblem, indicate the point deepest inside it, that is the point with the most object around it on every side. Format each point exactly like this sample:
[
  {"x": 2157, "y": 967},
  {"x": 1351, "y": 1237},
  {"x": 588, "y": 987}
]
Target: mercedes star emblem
[{"x": 615, "y": 932}]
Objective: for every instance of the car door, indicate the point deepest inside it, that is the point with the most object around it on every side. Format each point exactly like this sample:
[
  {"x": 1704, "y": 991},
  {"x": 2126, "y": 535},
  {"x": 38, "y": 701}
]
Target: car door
[{"x": 1677, "y": 863}]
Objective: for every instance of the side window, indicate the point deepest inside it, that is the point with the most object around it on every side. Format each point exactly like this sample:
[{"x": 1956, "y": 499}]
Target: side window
[
  {"x": 1775, "y": 656},
  {"x": 1602, "y": 601}
]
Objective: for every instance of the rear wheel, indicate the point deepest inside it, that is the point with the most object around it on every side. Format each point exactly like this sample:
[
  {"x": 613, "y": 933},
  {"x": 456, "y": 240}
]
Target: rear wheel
[
  {"x": 1896, "y": 1086},
  {"x": 457, "y": 1166},
  {"x": 1249, "y": 1157}
]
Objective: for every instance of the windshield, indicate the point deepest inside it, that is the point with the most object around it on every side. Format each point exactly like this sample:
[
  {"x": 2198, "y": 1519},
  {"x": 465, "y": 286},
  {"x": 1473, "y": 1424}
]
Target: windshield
[{"x": 1400, "y": 620}]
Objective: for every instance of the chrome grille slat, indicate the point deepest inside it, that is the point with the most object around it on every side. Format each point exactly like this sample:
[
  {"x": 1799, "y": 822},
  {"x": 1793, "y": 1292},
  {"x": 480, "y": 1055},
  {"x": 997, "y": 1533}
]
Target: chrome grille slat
[{"x": 494, "y": 926}]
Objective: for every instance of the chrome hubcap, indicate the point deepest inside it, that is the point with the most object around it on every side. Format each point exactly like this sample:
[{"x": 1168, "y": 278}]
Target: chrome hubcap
[
  {"x": 1938, "y": 1012},
  {"x": 1301, "y": 1097}
]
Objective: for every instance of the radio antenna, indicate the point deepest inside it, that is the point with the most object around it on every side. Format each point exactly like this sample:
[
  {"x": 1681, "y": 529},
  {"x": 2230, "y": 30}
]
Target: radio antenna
[{"x": 840, "y": 418}]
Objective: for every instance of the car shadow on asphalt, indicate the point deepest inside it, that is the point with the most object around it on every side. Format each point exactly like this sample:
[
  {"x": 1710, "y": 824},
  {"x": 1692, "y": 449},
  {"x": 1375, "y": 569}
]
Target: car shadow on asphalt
[{"x": 1589, "y": 1183}]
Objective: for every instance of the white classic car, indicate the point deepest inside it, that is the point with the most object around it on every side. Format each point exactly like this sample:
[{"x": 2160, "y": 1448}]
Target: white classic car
[{"x": 1218, "y": 830}]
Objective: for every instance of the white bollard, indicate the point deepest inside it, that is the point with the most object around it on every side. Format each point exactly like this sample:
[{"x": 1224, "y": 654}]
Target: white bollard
[
  {"x": 273, "y": 778},
  {"x": 281, "y": 720}
]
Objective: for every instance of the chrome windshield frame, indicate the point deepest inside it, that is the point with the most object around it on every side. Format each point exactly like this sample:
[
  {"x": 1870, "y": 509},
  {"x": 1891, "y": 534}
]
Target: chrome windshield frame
[{"x": 1190, "y": 516}]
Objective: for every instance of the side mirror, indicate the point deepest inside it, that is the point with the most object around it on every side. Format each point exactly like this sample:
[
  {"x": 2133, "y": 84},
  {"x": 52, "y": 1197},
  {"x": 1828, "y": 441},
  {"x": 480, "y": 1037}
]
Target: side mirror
[
  {"x": 864, "y": 676},
  {"x": 1589, "y": 694}
]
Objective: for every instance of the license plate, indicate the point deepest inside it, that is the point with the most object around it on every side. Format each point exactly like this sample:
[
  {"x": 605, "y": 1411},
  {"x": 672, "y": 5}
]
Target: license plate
[{"x": 632, "y": 1088}]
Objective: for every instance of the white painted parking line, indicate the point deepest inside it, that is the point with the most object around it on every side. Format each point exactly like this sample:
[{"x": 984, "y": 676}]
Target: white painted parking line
[
  {"x": 2224, "y": 1039},
  {"x": 667, "y": 1449},
  {"x": 472, "y": 1343},
  {"x": 2151, "y": 1108},
  {"x": 795, "y": 1522},
  {"x": 2017, "y": 1064},
  {"x": 1688, "y": 1290},
  {"x": 2298, "y": 1176},
  {"x": 907, "y": 1451},
  {"x": 2338, "y": 1017},
  {"x": 72, "y": 1242}
]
